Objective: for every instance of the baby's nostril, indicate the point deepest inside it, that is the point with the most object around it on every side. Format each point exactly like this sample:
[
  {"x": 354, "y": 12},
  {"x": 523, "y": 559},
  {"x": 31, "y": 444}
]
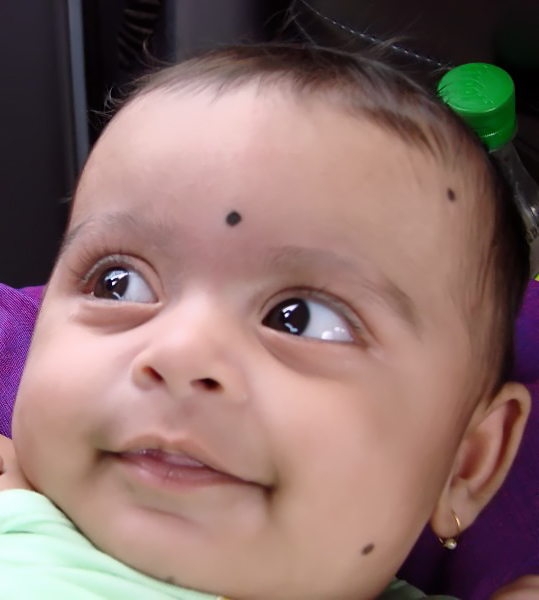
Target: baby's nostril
[
  {"x": 153, "y": 374},
  {"x": 208, "y": 384}
]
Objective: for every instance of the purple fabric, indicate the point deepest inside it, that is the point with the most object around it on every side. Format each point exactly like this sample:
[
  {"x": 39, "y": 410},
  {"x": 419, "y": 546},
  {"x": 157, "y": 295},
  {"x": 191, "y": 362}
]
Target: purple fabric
[
  {"x": 18, "y": 309},
  {"x": 502, "y": 545}
]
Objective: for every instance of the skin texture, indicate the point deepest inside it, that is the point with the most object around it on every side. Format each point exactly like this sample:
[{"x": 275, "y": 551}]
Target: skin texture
[
  {"x": 525, "y": 588},
  {"x": 11, "y": 476},
  {"x": 329, "y": 446}
]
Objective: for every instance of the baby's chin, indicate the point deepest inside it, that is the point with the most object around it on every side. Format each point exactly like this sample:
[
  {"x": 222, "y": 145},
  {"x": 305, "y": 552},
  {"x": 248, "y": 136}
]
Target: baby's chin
[{"x": 259, "y": 583}]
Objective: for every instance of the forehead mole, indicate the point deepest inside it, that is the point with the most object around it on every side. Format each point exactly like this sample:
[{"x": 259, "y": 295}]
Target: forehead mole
[
  {"x": 368, "y": 549},
  {"x": 451, "y": 194},
  {"x": 233, "y": 218}
]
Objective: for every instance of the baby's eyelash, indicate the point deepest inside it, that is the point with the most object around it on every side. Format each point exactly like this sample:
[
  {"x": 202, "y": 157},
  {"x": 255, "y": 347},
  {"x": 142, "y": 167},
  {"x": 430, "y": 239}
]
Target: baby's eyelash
[
  {"x": 102, "y": 265},
  {"x": 90, "y": 260}
]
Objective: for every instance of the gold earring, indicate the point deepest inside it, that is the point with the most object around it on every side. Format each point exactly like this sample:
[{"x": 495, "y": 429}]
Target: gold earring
[{"x": 451, "y": 542}]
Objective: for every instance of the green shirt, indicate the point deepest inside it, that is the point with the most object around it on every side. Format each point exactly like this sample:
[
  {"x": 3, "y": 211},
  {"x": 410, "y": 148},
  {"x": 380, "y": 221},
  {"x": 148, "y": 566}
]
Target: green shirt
[
  {"x": 43, "y": 556},
  {"x": 400, "y": 590}
]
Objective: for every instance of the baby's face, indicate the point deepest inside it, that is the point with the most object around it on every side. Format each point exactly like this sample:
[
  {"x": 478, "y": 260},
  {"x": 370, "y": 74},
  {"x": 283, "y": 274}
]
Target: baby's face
[{"x": 265, "y": 405}]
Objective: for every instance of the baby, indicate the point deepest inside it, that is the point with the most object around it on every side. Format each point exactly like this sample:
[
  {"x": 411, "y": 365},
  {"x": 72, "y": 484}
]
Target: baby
[{"x": 275, "y": 343}]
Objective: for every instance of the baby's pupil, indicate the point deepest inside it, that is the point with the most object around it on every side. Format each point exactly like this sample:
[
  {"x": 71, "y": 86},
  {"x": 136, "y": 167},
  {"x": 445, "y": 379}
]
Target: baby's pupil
[
  {"x": 291, "y": 316},
  {"x": 112, "y": 284}
]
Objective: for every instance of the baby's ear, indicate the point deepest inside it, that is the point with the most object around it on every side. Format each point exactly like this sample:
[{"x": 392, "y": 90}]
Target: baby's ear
[{"x": 485, "y": 455}]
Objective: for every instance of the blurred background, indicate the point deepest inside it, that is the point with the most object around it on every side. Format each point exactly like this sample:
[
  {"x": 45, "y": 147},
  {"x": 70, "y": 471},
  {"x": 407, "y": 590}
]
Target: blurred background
[{"x": 62, "y": 60}]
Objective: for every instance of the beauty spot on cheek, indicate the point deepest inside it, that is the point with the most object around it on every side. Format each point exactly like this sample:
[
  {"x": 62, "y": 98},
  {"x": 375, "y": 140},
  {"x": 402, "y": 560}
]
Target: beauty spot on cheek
[
  {"x": 451, "y": 194},
  {"x": 233, "y": 218},
  {"x": 368, "y": 549}
]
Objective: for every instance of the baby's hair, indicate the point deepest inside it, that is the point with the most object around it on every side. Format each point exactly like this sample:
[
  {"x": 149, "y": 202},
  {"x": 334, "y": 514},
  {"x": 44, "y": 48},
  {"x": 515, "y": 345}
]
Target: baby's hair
[{"x": 492, "y": 270}]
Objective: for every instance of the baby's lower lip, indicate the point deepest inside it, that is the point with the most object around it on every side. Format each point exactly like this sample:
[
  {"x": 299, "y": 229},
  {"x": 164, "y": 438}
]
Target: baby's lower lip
[{"x": 173, "y": 469}]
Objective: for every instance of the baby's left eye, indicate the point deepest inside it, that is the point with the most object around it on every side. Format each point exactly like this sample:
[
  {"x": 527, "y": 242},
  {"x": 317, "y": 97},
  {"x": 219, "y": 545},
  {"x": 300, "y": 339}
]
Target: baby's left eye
[
  {"x": 306, "y": 317},
  {"x": 121, "y": 283}
]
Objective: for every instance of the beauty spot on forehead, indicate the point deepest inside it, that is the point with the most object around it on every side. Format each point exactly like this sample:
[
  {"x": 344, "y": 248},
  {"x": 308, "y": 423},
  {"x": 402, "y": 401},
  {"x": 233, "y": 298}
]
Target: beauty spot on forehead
[
  {"x": 452, "y": 196},
  {"x": 233, "y": 218}
]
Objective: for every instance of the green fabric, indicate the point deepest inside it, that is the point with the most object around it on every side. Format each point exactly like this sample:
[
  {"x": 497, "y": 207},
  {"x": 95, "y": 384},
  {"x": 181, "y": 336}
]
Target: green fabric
[
  {"x": 43, "y": 556},
  {"x": 400, "y": 590}
]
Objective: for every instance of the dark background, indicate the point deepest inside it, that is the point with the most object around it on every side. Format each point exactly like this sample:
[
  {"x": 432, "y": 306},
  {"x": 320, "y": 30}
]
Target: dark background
[{"x": 62, "y": 59}]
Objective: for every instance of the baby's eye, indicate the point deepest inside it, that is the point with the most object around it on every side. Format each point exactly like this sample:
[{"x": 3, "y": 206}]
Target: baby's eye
[
  {"x": 300, "y": 316},
  {"x": 121, "y": 283}
]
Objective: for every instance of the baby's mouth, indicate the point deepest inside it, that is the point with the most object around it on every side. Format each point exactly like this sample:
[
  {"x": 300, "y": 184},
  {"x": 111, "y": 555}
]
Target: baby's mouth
[
  {"x": 176, "y": 469},
  {"x": 178, "y": 459}
]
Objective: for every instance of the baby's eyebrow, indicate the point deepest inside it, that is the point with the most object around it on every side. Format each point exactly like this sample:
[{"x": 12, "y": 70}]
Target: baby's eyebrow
[{"x": 123, "y": 222}]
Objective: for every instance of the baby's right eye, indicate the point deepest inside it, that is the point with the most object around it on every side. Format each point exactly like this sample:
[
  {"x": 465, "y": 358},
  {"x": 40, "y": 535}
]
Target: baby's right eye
[{"x": 122, "y": 284}]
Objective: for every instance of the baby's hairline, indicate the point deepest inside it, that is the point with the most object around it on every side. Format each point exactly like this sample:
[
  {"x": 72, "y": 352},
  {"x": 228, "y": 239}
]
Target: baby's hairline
[{"x": 425, "y": 138}]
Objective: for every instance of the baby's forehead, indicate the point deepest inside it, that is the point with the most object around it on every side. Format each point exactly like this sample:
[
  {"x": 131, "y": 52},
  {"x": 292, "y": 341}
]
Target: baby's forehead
[
  {"x": 242, "y": 146},
  {"x": 232, "y": 145},
  {"x": 269, "y": 117}
]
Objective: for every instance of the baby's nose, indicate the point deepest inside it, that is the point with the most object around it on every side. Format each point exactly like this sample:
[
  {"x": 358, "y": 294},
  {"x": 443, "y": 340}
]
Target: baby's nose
[{"x": 193, "y": 350}]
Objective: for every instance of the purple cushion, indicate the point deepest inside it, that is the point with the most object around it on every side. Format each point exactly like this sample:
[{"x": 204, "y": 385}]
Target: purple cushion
[
  {"x": 501, "y": 546},
  {"x": 18, "y": 309}
]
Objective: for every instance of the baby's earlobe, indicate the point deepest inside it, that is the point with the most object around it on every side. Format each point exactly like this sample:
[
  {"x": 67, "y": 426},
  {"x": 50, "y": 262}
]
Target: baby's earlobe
[
  {"x": 450, "y": 543},
  {"x": 484, "y": 457}
]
